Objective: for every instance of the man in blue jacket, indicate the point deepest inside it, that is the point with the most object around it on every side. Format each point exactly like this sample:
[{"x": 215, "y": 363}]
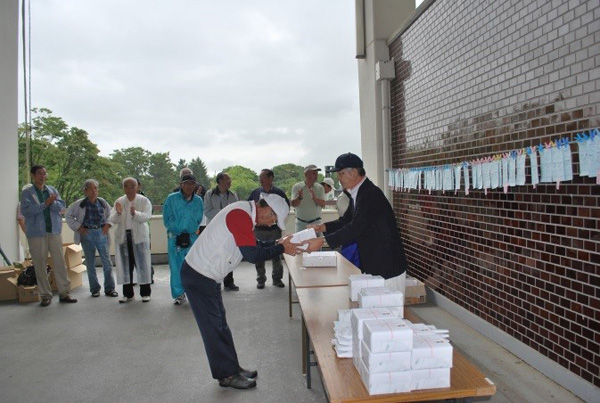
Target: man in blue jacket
[
  {"x": 369, "y": 222},
  {"x": 41, "y": 206},
  {"x": 182, "y": 215}
]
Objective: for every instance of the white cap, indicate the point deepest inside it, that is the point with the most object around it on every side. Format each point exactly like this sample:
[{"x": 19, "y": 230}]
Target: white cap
[
  {"x": 311, "y": 167},
  {"x": 330, "y": 182},
  {"x": 279, "y": 207}
]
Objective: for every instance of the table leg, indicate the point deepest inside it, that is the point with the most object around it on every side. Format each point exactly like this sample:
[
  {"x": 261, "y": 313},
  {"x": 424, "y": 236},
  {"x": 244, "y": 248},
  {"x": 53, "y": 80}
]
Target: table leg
[{"x": 305, "y": 361}]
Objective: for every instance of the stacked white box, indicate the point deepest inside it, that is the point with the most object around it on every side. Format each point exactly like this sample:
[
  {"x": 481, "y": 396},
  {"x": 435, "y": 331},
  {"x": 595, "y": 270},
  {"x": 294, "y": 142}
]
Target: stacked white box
[
  {"x": 319, "y": 259},
  {"x": 387, "y": 335},
  {"x": 377, "y": 363},
  {"x": 383, "y": 383},
  {"x": 358, "y": 317},
  {"x": 430, "y": 378},
  {"x": 431, "y": 351},
  {"x": 374, "y": 297},
  {"x": 358, "y": 281}
]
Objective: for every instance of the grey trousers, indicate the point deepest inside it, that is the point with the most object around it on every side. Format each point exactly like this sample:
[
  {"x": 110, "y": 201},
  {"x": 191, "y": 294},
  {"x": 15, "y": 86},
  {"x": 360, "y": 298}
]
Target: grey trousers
[
  {"x": 39, "y": 246},
  {"x": 265, "y": 234}
]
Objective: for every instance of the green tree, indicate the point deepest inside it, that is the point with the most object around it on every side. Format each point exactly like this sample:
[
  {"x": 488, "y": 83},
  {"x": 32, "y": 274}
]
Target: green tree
[
  {"x": 162, "y": 178},
  {"x": 133, "y": 161},
  {"x": 286, "y": 175},
  {"x": 200, "y": 172},
  {"x": 243, "y": 180},
  {"x": 67, "y": 153}
]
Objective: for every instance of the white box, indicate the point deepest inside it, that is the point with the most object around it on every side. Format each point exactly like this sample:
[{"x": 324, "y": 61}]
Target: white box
[
  {"x": 390, "y": 382},
  {"x": 385, "y": 335},
  {"x": 319, "y": 259},
  {"x": 359, "y": 315},
  {"x": 430, "y": 378},
  {"x": 359, "y": 281},
  {"x": 378, "y": 363},
  {"x": 431, "y": 351},
  {"x": 373, "y": 297},
  {"x": 304, "y": 235},
  {"x": 344, "y": 315}
]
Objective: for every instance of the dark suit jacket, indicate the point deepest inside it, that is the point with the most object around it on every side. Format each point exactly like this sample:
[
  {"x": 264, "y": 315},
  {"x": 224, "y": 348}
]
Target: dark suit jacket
[{"x": 372, "y": 226}]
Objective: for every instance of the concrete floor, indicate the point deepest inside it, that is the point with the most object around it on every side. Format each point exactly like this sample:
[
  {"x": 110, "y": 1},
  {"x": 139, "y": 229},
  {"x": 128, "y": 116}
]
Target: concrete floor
[{"x": 101, "y": 351}]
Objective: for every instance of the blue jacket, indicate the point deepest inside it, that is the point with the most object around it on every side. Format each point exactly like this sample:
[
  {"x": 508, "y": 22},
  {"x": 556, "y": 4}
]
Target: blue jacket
[
  {"x": 180, "y": 215},
  {"x": 33, "y": 211}
]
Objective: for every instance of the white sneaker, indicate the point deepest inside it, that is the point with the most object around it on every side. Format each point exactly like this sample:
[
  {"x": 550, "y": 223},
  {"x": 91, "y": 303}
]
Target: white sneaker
[
  {"x": 180, "y": 299},
  {"x": 124, "y": 299},
  {"x": 145, "y": 299}
]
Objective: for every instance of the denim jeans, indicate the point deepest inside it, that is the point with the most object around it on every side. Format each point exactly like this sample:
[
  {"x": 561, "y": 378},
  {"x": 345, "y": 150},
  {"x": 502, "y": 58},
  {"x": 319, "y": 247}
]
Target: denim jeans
[{"x": 95, "y": 239}]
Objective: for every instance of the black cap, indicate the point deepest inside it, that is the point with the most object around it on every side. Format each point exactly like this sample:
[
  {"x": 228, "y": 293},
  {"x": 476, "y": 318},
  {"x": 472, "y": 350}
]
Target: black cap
[
  {"x": 347, "y": 160},
  {"x": 186, "y": 178}
]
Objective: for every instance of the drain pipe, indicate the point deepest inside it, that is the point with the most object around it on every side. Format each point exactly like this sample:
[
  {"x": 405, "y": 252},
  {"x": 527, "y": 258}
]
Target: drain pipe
[{"x": 384, "y": 73}]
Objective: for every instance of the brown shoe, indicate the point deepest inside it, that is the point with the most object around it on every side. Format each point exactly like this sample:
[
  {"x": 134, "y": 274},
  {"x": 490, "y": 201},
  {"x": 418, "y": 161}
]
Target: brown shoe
[
  {"x": 237, "y": 381},
  {"x": 68, "y": 299}
]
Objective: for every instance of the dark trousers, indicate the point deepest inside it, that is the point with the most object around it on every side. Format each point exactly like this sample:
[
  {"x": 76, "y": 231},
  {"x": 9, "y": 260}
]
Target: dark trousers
[
  {"x": 228, "y": 280},
  {"x": 206, "y": 302},
  {"x": 267, "y": 234},
  {"x": 145, "y": 289}
]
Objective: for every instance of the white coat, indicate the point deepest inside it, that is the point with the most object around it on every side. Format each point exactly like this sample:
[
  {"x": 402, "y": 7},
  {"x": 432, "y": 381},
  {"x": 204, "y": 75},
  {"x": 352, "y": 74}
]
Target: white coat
[{"x": 140, "y": 232}]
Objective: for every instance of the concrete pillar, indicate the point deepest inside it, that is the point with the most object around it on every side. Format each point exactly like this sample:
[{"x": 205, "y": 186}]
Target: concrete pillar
[{"x": 9, "y": 194}]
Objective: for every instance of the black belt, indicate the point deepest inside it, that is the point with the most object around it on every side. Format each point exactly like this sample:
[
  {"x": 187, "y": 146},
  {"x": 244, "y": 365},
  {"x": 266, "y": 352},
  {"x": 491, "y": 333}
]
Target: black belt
[
  {"x": 92, "y": 226},
  {"x": 308, "y": 222}
]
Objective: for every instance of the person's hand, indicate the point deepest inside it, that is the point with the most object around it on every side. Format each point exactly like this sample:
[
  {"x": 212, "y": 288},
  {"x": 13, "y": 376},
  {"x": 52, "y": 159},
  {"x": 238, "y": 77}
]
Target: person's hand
[
  {"x": 82, "y": 231},
  {"x": 290, "y": 247},
  {"x": 105, "y": 228},
  {"x": 317, "y": 227},
  {"x": 314, "y": 244},
  {"x": 300, "y": 194},
  {"x": 51, "y": 199},
  {"x": 132, "y": 210},
  {"x": 119, "y": 208}
]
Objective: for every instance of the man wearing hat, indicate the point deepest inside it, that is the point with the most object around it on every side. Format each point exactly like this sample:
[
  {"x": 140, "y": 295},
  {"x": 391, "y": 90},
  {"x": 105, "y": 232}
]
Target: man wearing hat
[
  {"x": 329, "y": 186},
  {"x": 308, "y": 198},
  {"x": 220, "y": 249},
  {"x": 369, "y": 222},
  {"x": 182, "y": 215}
]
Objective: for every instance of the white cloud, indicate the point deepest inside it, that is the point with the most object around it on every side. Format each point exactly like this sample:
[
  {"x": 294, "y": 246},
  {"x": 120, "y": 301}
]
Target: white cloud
[{"x": 234, "y": 82}]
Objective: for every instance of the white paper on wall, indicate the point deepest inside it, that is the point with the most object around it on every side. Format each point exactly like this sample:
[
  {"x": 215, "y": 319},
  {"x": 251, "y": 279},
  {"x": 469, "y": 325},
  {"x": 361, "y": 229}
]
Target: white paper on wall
[
  {"x": 557, "y": 165},
  {"x": 505, "y": 173},
  {"x": 487, "y": 179},
  {"x": 480, "y": 176},
  {"x": 546, "y": 165},
  {"x": 512, "y": 172},
  {"x": 567, "y": 161},
  {"x": 533, "y": 160},
  {"x": 494, "y": 178},
  {"x": 594, "y": 157},
  {"x": 457, "y": 170},
  {"x": 584, "y": 157},
  {"x": 466, "y": 172},
  {"x": 520, "y": 168}
]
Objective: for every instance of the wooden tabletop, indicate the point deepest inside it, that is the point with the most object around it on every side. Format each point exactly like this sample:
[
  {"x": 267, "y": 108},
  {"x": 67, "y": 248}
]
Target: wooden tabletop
[
  {"x": 319, "y": 276},
  {"x": 342, "y": 381}
]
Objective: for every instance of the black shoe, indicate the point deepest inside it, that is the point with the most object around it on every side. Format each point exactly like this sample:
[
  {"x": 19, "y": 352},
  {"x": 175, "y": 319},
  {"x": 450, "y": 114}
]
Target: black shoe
[
  {"x": 278, "y": 283},
  {"x": 112, "y": 293},
  {"x": 248, "y": 374},
  {"x": 96, "y": 294},
  {"x": 68, "y": 299},
  {"x": 260, "y": 286},
  {"x": 237, "y": 381},
  {"x": 46, "y": 301},
  {"x": 232, "y": 287}
]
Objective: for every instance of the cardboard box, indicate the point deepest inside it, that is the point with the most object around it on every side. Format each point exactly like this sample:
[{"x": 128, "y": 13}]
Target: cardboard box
[
  {"x": 387, "y": 335},
  {"x": 25, "y": 294},
  {"x": 8, "y": 292},
  {"x": 74, "y": 274},
  {"x": 414, "y": 292},
  {"x": 319, "y": 259},
  {"x": 73, "y": 255},
  {"x": 360, "y": 281}
]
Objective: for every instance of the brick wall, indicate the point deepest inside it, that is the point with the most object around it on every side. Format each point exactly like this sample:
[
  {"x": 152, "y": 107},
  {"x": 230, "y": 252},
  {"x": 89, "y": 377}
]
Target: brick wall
[{"x": 476, "y": 78}]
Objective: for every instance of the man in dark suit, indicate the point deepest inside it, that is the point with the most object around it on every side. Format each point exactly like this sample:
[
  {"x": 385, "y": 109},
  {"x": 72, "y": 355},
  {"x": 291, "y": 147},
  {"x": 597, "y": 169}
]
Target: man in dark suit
[{"x": 369, "y": 222}]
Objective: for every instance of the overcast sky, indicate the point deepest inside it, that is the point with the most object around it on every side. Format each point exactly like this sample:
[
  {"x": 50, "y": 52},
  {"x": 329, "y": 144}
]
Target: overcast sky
[{"x": 253, "y": 83}]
